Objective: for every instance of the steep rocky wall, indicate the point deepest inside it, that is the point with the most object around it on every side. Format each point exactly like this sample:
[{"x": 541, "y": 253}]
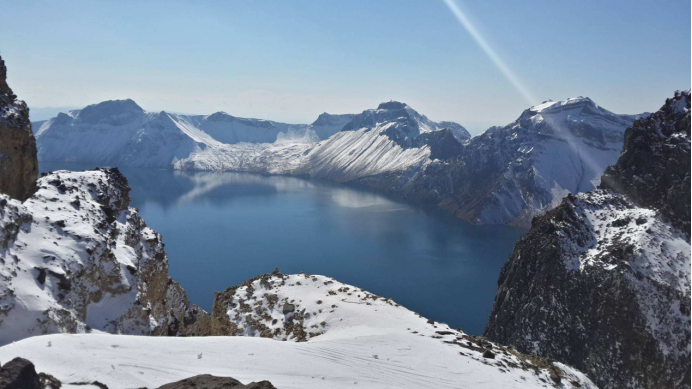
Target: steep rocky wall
[
  {"x": 654, "y": 168},
  {"x": 18, "y": 162},
  {"x": 75, "y": 257},
  {"x": 602, "y": 282}
]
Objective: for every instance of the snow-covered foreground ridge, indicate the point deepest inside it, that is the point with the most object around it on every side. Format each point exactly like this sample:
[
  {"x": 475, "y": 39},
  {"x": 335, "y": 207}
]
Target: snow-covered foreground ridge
[
  {"x": 75, "y": 257},
  {"x": 364, "y": 341},
  {"x": 504, "y": 175}
]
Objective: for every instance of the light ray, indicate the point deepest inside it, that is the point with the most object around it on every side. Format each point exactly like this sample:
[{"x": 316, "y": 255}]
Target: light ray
[{"x": 511, "y": 77}]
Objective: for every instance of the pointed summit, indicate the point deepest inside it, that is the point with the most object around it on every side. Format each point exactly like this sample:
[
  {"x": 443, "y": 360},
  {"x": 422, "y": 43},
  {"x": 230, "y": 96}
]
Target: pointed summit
[{"x": 113, "y": 112}]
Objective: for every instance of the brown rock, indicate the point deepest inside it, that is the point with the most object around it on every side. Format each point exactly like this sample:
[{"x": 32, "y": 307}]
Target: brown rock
[{"x": 18, "y": 161}]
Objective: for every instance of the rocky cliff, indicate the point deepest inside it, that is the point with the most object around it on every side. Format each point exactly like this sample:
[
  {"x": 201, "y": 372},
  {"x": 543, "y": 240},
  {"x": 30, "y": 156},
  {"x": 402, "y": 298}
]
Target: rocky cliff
[
  {"x": 75, "y": 258},
  {"x": 18, "y": 163},
  {"x": 602, "y": 282},
  {"x": 654, "y": 168}
]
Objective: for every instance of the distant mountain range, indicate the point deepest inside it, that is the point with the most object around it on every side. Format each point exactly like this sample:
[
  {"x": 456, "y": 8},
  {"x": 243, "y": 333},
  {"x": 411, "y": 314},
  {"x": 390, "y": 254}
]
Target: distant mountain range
[{"x": 504, "y": 175}]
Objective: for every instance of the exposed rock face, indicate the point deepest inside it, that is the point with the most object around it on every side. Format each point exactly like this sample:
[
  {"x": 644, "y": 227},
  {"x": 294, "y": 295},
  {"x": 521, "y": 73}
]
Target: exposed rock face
[
  {"x": 602, "y": 282},
  {"x": 76, "y": 257},
  {"x": 19, "y": 373},
  {"x": 654, "y": 168},
  {"x": 206, "y": 381},
  {"x": 509, "y": 174},
  {"x": 18, "y": 163}
]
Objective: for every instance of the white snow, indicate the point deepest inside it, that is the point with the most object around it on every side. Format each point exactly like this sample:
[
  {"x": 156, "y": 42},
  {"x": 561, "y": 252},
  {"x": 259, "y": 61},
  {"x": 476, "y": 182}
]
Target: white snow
[
  {"x": 64, "y": 239},
  {"x": 365, "y": 341},
  {"x": 566, "y": 145},
  {"x": 660, "y": 257}
]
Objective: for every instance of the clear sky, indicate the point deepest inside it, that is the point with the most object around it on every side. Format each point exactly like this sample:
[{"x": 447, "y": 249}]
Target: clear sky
[{"x": 292, "y": 60}]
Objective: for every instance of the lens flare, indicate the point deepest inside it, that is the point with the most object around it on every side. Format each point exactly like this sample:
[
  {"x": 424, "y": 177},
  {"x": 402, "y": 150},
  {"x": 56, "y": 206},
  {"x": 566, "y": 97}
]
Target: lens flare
[
  {"x": 586, "y": 159},
  {"x": 466, "y": 23}
]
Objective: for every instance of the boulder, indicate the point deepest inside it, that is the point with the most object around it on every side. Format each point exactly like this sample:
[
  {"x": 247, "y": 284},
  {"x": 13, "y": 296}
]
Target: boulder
[
  {"x": 207, "y": 381},
  {"x": 19, "y": 373}
]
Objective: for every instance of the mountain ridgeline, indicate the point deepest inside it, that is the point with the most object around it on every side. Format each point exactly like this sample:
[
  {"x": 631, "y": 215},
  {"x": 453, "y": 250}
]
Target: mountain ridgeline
[
  {"x": 602, "y": 282},
  {"x": 509, "y": 174},
  {"x": 505, "y": 175}
]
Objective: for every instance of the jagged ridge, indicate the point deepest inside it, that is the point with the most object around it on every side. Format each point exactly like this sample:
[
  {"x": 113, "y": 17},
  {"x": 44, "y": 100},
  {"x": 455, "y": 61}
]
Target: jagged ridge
[{"x": 602, "y": 282}]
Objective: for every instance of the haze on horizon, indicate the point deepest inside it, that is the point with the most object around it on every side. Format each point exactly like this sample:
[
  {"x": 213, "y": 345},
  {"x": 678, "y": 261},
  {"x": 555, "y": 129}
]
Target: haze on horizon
[{"x": 291, "y": 61}]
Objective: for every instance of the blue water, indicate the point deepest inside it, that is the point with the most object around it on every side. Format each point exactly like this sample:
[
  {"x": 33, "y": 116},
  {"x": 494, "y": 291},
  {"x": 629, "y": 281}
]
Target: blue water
[{"x": 223, "y": 228}]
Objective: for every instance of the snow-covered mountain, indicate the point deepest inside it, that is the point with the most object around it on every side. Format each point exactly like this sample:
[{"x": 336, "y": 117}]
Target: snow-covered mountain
[
  {"x": 602, "y": 282},
  {"x": 504, "y": 175},
  {"x": 75, "y": 257},
  {"x": 390, "y": 139},
  {"x": 121, "y": 133},
  {"x": 509, "y": 174},
  {"x": 338, "y": 336}
]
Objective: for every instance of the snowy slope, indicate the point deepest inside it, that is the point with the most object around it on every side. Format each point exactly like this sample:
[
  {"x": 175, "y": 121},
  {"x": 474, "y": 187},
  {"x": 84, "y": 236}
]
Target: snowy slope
[
  {"x": 365, "y": 341},
  {"x": 389, "y": 139},
  {"x": 74, "y": 257}
]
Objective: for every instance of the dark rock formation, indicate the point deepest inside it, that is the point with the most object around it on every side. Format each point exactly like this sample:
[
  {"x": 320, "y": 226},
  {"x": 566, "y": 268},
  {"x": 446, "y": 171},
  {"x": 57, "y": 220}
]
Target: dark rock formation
[
  {"x": 654, "y": 168},
  {"x": 19, "y": 373},
  {"x": 602, "y": 282},
  {"x": 206, "y": 381},
  {"x": 18, "y": 163}
]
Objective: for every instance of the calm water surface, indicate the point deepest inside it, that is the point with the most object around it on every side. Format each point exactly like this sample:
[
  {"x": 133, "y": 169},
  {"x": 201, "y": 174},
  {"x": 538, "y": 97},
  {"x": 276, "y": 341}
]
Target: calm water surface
[{"x": 223, "y": 228}]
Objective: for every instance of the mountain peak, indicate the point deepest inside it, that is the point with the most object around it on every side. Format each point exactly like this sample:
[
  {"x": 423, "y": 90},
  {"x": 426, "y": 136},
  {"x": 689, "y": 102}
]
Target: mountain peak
[
  {"x": 110, "y": 112},
  {"x": 220, "y": 116},
  {"x": 392, "y": 105},
  {"x": 572, "y": 102},
  {"x": 327, "y": 119}
]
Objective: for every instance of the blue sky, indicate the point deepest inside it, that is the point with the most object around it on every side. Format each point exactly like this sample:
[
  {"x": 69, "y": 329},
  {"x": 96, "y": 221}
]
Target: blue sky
[{"x": 292, "y": 60}]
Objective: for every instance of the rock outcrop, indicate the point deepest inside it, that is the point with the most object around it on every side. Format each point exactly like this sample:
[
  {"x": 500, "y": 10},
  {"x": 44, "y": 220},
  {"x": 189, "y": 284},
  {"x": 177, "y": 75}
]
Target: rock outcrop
[
  {"x": 18, "y": 162},
  {"x": 602, "y": 282},
  {"x": 207, "y": 381},
  {"x": 75, "y": 257},
  {"x": 654, "y": 168},
  {"x": 20, "y": 373}
]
